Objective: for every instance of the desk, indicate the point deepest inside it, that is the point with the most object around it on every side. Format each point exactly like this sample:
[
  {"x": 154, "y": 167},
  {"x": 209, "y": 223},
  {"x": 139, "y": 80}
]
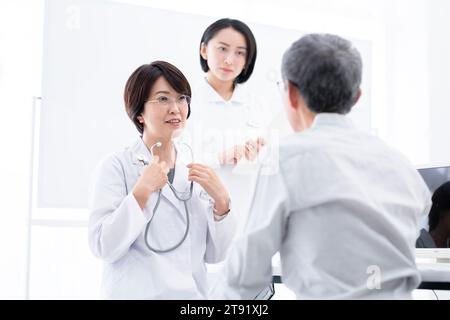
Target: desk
[{"x": 435, "y": 276}]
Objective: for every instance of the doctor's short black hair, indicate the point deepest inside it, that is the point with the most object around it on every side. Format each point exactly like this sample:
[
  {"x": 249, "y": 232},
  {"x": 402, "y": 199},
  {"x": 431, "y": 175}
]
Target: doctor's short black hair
[
  {"x": 140, "y": 84},
  {"x": 243, "y": 29}
]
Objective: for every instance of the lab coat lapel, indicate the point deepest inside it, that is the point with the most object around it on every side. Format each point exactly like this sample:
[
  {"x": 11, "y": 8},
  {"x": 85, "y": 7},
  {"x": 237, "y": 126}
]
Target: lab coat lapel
[{"x": 139, "y": 152}]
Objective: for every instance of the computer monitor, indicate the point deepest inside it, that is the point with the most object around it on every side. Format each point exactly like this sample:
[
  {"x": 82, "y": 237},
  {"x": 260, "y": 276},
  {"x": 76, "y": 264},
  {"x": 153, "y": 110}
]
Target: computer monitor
[{"x": 434, "y": 177}]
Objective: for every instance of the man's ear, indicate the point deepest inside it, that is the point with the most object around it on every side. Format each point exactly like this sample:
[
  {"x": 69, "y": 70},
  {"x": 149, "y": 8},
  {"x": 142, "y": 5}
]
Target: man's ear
[
  {"x": 140, "y": 119},
  {"x": 293, "y": 95},
  {"x": 358, "y": 95},
  {"x": 203, "y": 51}
]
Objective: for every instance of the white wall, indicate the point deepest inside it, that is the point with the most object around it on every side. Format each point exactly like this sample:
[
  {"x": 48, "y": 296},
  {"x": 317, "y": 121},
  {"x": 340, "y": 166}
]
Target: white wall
[
  {"x": 407, "y": 85},
  {"x": 20, "y": 60},
  {"x": 439, "y": 74}
]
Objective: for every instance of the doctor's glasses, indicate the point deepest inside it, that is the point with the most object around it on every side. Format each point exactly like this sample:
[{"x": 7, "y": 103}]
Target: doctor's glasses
[{"x": 166, "y": 101}]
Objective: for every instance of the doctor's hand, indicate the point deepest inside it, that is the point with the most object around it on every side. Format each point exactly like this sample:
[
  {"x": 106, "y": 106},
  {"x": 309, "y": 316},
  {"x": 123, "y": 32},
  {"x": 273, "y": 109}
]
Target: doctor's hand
[
  {"x": 152, "y": 179},
  {"x": 210, "y": 182}
]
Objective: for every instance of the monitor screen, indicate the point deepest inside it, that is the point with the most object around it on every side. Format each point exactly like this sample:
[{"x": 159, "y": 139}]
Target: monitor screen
[{"x": 435, "y": 176}]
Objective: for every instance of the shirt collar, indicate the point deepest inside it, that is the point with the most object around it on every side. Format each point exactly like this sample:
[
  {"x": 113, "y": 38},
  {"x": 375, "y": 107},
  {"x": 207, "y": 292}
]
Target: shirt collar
[
  {"x": 212, "y": 95},
  {"x": 334, "y": 119}
]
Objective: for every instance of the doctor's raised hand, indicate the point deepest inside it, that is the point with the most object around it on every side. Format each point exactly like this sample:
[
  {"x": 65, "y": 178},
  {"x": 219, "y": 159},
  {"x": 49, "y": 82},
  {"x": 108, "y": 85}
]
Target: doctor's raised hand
[
  {"x": 149, "y": 221},
  {"x": 152, "y": 179}
]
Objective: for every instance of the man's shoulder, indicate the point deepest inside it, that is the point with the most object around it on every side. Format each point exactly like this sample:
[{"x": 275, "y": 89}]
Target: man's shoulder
[
  {"x": 298, "y": 144},
  {"x": 310, "y": 146}
]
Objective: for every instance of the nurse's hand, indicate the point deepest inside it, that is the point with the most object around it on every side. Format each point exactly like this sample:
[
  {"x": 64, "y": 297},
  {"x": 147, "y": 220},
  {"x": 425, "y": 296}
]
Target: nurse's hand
[
  {"x": 210, "y": 182},
  {"x": 252, "y": 148},
  {"x": 153, "y": 178},
  {"x": 250, "y": 151},
  {"x": 232, "y": 155}
]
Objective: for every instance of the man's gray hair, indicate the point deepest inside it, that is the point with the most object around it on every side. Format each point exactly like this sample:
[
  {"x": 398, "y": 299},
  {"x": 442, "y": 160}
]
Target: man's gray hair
[{"x": 327, "y": 71}]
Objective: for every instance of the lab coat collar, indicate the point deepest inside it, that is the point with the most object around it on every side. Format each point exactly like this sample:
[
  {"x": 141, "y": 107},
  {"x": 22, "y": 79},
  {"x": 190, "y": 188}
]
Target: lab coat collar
[
  {"x": 211, "y": 95},
  {"x": 139, "y": 149},
  {"x": 333, "y": 119}
]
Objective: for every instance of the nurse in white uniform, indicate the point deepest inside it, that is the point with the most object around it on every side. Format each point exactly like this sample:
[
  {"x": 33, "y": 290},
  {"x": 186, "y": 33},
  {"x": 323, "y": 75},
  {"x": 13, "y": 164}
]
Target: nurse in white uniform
[
  {"x": 227, "y": 130},
  {"x": 156, "y": 221}
]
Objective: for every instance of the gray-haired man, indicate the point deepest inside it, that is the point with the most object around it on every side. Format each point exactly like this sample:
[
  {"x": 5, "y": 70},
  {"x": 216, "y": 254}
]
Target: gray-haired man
[{"x": 344, "y": 208}]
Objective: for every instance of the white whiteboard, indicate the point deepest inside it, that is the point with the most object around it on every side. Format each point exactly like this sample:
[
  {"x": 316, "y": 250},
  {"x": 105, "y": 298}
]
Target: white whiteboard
[{"x": 92, "y": 47}]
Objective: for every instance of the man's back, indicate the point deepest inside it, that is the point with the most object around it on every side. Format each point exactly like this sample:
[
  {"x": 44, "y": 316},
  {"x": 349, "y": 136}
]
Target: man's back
[
  {"x": 354, "y": 209},
  {"x": 344, "y": 209}
]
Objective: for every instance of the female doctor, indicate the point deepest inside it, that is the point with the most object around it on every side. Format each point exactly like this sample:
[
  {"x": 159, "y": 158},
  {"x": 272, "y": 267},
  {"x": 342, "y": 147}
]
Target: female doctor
[{"x": 155, "y": 221}]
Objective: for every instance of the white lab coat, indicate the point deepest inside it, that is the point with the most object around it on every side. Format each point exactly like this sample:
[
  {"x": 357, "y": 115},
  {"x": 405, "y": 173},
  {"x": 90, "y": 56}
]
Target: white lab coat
[
  {"x": 216, "y": 125},
  {"x": 343, "y": 212},
  {"x": 117, "y": 225}
]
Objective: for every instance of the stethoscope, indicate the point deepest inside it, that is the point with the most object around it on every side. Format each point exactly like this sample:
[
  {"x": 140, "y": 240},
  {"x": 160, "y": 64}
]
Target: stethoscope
[{"x": 182, "y": 196}]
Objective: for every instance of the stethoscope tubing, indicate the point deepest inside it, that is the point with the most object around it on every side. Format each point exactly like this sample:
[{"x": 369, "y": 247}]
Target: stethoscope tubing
[{"x": 175, "y": 192}]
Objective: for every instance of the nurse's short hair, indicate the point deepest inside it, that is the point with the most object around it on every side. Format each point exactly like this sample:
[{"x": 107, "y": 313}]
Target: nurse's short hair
[
  {"x": 243, "y": 29},
  {"x": 141, "y": 82},
  {"x": 327, "y": 71}
]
